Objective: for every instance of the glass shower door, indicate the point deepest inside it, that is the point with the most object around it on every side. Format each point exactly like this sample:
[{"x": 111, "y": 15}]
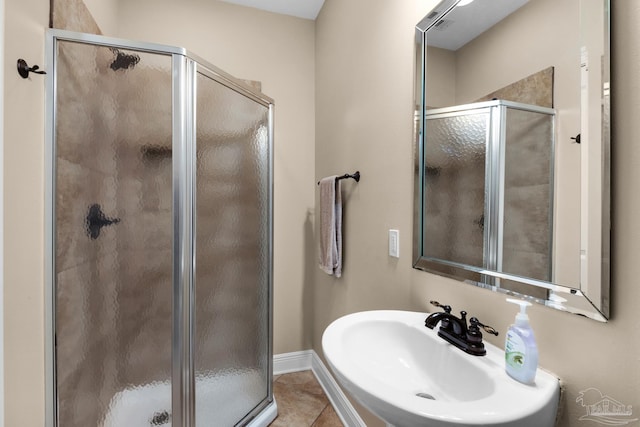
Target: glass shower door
[
  {"x": 527, "y": 231},
  {"x": 455, "y": 194},
  {"x": 232, "y": 276},
  {"x": 113, "y": 236}
]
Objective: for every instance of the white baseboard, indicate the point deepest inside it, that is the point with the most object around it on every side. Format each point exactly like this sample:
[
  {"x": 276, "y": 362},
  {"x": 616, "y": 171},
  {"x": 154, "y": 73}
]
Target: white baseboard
[
  {"x": 285, "y": 363},
  {"x": 308, "y": 360}
]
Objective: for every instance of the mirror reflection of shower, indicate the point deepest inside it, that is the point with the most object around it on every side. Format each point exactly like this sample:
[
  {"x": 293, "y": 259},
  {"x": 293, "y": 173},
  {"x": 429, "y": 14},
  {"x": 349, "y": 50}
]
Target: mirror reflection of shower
[{"x": 490, "y": 202}]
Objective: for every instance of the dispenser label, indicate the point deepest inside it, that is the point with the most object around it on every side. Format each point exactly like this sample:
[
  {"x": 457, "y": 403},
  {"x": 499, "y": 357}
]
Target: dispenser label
[{"x": 514, "y": 350}]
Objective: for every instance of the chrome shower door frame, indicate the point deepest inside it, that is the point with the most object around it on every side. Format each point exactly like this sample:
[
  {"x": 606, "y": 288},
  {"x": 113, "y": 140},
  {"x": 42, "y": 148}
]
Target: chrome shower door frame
[{"x": 185, "y": 67}]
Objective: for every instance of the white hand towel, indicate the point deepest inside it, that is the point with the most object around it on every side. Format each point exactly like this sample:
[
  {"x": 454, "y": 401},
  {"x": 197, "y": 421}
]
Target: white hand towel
[{"x": 331, "y": 226}]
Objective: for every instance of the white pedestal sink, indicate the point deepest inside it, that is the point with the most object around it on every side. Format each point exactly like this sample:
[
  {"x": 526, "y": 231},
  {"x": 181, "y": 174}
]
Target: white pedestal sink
[{"x": 408, "y": 376}]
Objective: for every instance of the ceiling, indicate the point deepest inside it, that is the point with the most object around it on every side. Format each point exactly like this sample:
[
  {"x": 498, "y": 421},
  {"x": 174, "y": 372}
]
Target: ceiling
[
  {"x": 465, "y": 23},
  {"x": 307, "y": 9},
  {"x": 476, "y": 17}
]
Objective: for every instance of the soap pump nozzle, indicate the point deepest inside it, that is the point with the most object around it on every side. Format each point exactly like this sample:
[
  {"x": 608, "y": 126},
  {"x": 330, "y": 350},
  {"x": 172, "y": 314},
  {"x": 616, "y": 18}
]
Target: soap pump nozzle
[{"x": 521, "y": 317}]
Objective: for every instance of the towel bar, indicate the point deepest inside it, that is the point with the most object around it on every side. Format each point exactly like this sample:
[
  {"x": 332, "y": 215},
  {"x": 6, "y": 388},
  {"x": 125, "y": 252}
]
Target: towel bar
[{"x": 355, "y": 176}]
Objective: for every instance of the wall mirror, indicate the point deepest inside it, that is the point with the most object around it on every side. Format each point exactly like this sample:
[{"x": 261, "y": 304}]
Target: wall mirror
[{"x": 512, "y": 149}]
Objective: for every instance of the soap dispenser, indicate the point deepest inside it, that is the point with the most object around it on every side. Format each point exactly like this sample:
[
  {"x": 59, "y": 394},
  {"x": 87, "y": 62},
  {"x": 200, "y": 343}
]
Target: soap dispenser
[{"x": 521, "y": 351}]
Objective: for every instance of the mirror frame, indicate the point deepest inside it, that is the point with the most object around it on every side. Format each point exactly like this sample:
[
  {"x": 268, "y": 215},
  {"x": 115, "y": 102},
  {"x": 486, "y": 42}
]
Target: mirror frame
[{"x": 561, "y": 297}]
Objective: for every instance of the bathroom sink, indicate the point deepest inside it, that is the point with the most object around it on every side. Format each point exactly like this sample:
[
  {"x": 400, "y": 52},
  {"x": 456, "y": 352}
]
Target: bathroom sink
[{"x": 408, "y": 376}]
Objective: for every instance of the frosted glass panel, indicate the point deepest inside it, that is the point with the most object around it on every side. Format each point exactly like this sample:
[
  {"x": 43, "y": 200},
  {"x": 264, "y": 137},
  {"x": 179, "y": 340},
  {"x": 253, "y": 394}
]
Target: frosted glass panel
[
  {"x": 232, "y": 261},
  {"x": 113, "y": 236},
  {"x": 454, "y": 192},
  {"x": 528, "y": 194}
]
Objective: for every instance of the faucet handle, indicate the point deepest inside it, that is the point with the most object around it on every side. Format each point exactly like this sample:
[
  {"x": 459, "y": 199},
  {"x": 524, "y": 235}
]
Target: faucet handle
[
  {"x": 446, "y": 308},
  {"x": 475, "y": 323}
]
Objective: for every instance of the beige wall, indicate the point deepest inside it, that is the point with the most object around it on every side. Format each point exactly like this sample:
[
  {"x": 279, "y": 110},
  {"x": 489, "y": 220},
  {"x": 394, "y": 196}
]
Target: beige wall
[
  {"x": 25, "y": 24},
  {"x": 275, "y": 49},
  {"x": 363, "y": 121},
  {"x": 363, "y": 116},
  {"x": 441, "y": 69},
  {"x": 105, "y": 13}
]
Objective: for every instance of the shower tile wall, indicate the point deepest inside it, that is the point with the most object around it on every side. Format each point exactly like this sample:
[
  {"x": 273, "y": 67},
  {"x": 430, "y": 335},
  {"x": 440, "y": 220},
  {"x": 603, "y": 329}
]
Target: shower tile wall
[
  {"x": 536, "y": 89},
  {"x": 73, "y": 15}
]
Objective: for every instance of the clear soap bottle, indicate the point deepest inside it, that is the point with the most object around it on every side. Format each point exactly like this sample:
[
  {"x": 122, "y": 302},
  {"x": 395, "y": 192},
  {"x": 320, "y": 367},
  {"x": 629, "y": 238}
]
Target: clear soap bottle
[{"x": 521, "y": 350}]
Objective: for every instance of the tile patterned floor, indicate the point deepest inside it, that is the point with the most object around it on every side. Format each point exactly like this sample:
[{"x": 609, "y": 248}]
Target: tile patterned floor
[{"x": 302, "y": 402}]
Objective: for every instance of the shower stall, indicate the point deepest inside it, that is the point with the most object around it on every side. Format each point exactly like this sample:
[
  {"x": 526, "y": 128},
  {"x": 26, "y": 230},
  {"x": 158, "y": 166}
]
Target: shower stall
[
  {"x": 159, "y": 238},
  {"x": 489, "y": 188}
]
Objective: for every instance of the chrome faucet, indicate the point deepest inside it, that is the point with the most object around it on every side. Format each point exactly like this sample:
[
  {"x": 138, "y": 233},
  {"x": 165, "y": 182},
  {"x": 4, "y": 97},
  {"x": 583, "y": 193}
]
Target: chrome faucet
[{"x": 455, "y": 330}]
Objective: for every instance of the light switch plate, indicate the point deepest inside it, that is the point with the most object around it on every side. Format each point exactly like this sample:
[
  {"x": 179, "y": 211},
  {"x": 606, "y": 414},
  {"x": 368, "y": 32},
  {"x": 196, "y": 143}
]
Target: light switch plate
[{"x": 394, "y": 243}]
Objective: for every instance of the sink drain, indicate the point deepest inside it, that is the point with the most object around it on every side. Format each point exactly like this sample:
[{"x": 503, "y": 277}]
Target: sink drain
[{"x": 425, "y": 396}]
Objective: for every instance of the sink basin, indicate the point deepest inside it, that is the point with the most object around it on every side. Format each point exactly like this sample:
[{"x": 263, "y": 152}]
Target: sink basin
[{"x": 408, "y": 376}]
